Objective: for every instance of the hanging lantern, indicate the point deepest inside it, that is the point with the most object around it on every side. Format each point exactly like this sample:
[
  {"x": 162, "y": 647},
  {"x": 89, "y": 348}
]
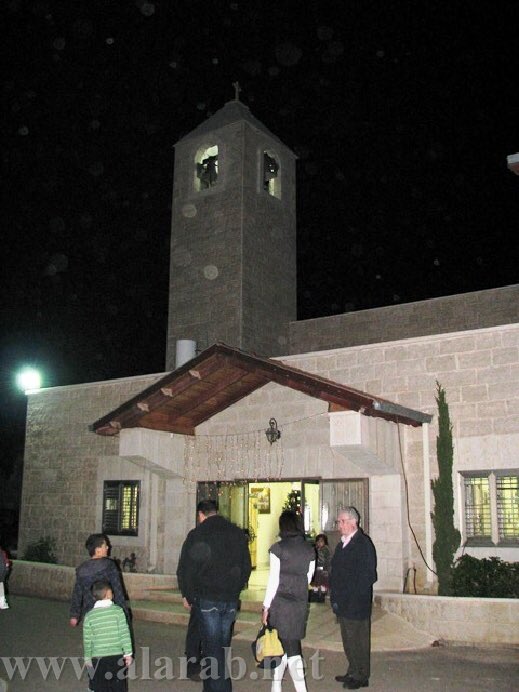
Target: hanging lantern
[{"x": 272, "y": 432}]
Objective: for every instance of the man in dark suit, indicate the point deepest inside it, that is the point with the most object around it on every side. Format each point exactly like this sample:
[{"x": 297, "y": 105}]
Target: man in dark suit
[{"x": 353, "y": 573}]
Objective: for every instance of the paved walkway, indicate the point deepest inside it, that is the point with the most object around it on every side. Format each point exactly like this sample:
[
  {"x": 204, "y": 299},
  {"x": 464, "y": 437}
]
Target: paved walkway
[
  {"x": 39, "y": 628},
  {"x": 388, "y": 632}
]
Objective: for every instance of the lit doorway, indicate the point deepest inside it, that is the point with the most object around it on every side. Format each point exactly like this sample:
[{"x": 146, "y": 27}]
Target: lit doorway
[{"x": 255, "y": 506}]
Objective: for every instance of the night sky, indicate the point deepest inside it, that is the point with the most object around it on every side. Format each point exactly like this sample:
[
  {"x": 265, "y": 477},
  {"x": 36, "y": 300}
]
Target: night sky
[{"x": 401, "y": 114}]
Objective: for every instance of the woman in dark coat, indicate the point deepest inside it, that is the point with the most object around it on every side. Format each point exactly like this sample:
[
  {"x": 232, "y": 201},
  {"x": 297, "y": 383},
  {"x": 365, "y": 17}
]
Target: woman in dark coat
[{"x": 285, "y": 606}]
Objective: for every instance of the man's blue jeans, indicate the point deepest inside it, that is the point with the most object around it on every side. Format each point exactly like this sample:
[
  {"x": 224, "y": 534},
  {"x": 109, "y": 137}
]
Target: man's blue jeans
[{"x": 215, "y": 620}]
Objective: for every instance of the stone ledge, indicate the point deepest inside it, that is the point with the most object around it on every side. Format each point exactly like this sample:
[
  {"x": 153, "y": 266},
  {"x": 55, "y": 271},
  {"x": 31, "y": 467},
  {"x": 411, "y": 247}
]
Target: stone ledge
[
  {"x": 47, "y": 580},
  {"x": 462, "y": 620}
]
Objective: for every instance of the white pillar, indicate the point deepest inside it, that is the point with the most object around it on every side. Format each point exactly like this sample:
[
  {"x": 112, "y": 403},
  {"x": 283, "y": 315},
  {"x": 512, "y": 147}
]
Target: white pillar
[{"x": 427, "y": 501}]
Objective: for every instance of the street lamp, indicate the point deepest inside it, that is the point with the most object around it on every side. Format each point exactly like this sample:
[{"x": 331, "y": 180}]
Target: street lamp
[{"x": 29, "y": 379}]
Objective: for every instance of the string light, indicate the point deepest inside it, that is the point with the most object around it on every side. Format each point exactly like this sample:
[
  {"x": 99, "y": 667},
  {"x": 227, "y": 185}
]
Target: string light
[{"x": 229, "y": 457}]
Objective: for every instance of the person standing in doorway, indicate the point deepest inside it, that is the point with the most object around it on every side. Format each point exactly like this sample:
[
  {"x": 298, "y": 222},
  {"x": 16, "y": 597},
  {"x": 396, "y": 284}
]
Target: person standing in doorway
[
  {"x": 353, "y": 573},
  {"x": 285, "y": 606},
  {"x": 214, "y": 567}
]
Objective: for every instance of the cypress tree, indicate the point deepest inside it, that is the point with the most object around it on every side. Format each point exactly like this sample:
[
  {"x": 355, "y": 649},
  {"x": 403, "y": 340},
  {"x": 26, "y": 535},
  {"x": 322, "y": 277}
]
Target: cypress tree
[{"x": 447, "y": 538}]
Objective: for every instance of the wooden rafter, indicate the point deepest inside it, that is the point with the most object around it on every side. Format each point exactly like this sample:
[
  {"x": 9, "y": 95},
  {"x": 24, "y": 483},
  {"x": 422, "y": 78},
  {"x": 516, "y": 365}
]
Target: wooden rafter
[{"x": 221, "y": 376}]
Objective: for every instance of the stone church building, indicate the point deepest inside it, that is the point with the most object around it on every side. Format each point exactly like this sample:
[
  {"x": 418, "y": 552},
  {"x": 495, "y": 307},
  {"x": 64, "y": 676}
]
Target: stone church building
[{"x": 263, "y": 412}]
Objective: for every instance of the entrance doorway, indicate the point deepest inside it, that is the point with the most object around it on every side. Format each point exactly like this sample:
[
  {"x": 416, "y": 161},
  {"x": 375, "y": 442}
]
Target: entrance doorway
[{"x": 255, "y": 506}]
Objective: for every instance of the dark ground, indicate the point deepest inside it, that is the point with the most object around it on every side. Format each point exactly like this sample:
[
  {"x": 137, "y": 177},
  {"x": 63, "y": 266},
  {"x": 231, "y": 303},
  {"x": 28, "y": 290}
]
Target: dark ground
[{"x": 37, "y": 627}]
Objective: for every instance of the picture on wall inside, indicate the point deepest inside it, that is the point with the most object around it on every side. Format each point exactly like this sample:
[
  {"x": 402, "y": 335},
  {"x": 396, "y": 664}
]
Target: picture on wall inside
[{"x": 262, "y": 499}]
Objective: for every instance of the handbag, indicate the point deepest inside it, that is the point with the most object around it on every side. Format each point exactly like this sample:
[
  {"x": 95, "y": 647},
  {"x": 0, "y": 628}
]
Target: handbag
[{"x": 267, "y": 648}]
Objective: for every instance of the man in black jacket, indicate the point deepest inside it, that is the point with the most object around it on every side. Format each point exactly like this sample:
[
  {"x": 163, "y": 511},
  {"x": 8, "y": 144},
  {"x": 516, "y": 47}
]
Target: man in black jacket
[
  {"x": 214, "y": 567},
  {"x": 353, "y": 573}
]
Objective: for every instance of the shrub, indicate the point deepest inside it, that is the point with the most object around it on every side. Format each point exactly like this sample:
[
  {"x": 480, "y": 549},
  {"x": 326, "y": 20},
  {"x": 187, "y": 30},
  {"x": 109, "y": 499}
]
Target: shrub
[
  {"x": 485, "y": 578},
  {"x": 41, "y": 550}
]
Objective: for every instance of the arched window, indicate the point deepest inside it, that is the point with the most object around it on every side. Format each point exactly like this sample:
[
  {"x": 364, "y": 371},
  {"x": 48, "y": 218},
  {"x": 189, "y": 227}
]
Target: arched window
[
  {"x": 206, "y": 167},
  {"x": 271, "y": 173}
]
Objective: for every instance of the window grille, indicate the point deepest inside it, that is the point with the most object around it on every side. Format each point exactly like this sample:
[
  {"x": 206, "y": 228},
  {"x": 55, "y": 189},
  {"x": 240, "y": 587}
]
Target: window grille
[
  {"x": 121, "y": 508},
  {"x": 507, "y": 492},
  {"x": 478, "y": 522}
]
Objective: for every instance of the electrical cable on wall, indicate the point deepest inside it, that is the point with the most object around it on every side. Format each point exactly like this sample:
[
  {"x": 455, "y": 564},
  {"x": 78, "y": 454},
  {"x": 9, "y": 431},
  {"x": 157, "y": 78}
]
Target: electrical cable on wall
[{"x": 407, "y": 501}]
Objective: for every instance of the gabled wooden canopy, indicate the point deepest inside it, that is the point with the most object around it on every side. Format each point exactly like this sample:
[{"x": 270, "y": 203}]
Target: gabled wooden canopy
[{"x": 222, "y": 375}]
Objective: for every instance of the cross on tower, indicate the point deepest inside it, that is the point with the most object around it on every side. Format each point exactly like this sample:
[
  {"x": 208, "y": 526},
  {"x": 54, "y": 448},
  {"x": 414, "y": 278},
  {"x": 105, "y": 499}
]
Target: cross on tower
[{"x": 237, "y": 90}]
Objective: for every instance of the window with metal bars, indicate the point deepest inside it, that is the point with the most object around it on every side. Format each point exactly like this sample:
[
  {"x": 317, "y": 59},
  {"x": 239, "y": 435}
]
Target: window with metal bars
[
  {"x": 491, "y": 503},
  {"x": 121, "y": 508},
  {"x": 477, "y": 508},
  {"x": 507, "y": 492}
]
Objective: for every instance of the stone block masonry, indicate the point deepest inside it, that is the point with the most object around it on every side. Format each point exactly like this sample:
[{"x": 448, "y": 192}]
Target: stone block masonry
[
  {"x": 463, "y": 312},
  {"x": 61, "y": 458}
]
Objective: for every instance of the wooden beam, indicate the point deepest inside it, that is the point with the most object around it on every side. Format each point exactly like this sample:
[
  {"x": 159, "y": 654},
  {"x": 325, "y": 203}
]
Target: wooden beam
[{"x": 168, "y": 427}]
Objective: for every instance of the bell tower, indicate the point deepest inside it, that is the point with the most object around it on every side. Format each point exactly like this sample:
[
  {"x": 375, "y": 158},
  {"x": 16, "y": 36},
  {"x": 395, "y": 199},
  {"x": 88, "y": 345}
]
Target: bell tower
[{"x": 233, "y": 237}]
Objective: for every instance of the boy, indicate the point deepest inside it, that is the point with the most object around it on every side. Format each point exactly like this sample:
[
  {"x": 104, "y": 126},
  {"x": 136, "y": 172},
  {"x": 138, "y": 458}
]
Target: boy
[
  {"x": 98, "y": 568},
  {"x": 106, "y": 641}
]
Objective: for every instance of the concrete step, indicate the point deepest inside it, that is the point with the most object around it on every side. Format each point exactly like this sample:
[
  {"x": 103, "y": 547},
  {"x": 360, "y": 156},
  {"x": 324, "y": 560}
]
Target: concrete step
[
  {"x": 174, "y": 596},
  {"x": 172, "y": 612},
  {"x": 164, "y": 595}
]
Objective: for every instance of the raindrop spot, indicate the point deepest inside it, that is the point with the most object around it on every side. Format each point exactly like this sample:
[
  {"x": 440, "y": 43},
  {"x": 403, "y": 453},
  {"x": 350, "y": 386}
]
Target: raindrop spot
[
  {"x": 288, "y": 55},
  {"x": 210, "y": 272},
  {"x": 147, "y": 9},
  {"x": 189, "y": 211},
  {"x": 336, "y": 48},
  {"x": 324, "y": 33}
]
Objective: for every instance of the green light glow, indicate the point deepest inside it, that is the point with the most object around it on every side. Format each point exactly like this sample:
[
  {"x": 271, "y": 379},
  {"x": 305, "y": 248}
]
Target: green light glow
[{"x": 29, "y": 380}]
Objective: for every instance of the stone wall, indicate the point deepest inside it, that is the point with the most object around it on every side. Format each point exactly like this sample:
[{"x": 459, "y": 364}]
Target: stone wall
[
  {"x": 61, "y": 459},
  {"x": 458, "y": 620},
  {"x": 479, "y": 370},
  {"x": 57, "y": 581},
  {"x": 304, "y": 451},
  {"x": 465, "y": 311},
  {"x": 480, "y": 373}
]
